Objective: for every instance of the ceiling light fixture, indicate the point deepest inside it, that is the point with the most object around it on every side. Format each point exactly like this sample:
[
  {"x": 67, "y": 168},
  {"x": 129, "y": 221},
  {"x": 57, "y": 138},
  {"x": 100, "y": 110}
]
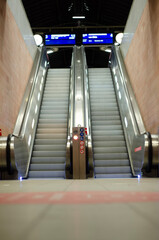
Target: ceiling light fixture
[
  {"x": 49, "y": 51},
  {"x": 38, "y": 39},
  {"x": 108, "y": 50},
  {"x": 119, "y": 37},
  {"x": 78, "y": 17}
]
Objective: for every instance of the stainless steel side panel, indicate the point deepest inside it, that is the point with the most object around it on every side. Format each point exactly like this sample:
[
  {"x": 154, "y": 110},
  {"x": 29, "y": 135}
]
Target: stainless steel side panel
[
  {"x": 25, "y": 128},
  {"x": 133, "y": 126}
]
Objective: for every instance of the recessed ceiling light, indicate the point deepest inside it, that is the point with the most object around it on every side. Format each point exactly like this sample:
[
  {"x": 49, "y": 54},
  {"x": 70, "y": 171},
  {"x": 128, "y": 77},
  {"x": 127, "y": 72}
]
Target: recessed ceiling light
[
  {"x": 38, "y": 39},
  {"x": 119, "y": 37},
  {"x": 78, "y": 17},
  {"x": 49, "y": 51},
  {"x": 108, "y": 50}
]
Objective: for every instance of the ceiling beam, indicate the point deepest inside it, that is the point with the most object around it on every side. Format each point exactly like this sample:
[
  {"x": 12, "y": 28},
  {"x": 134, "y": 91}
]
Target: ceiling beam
[{"x": 49, "y": 29}]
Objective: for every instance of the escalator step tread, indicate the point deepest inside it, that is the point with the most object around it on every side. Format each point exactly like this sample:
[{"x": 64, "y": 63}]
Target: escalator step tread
[
  {"x": 109, "y": 147},
  {"x": 112, "y": 169},
  {"x": 50, "y": 142},
  {"x": 49, "y": 147},
  {"x": 110, "y": 150},
  {"x": 47, "y": 167},
  {"x": 102, "y": 156},
  {"x": 49, "y": 151},
  {"x": 48, "y": 160},
  {"x": 114, "y": 162},
  {"x": 117, "y": 175},
  {"x": 46, "y": 174}
]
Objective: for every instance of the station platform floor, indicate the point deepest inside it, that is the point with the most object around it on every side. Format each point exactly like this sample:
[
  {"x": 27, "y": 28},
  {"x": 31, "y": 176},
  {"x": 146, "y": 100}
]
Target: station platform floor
[{"x": 95, "y": 209}]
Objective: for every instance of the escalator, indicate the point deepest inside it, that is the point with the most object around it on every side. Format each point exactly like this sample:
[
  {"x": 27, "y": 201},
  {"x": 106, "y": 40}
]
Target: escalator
[
  {"x": 109, "y": 146},
  {"x": 49, "y": 151},
  {"x": 56, "y": 103}
]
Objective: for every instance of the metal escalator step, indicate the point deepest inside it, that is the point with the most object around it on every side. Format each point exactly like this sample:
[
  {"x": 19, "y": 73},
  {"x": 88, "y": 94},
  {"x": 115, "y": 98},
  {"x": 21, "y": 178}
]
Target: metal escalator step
[
  {"x": 50, "y": 104},
  {"x": 117, "y": 175},
  {"x": 52, "y": 125},
  {"x": 97, "y": 80},
  {"x": 56, "y": 83},
  {"x": 102, "y": 101},
  {"x": 103, "y": 156},
  {"x": 52, "y": 82},
  {"x": 108, "y": 138},
  {"x": 52, "y": 121},
  {"x": 57, "y": 95},
  {"x": 102, "y": 87},
  {"x": 111, "y": 170},
  {"x": 53, "y": 107},
  {"x": 96, "y": 105},
  {"x": 46, "y": 174},
  {"x": 104, "y": 114},
  {"x": 107, "y": 132},
  {"x": 51, "y": 130},
  {"x": 103, "y": 109},
  {"x": 105, "y": 94},
  {"x": 49, "y": 153},
  {"x": 105, "y": 98},
  {"x": 115, "y": 162},
  {"x": 109, "y": 143},
  {"x": 96, "y": 92},
  {"x": 52, "y": 91},
  {"x": 51, "y": 136},
  {"x": 109, "y": 150},
  {"x": 106, "y": 127},
  {"x": 105, "y": 122},
  {"x": 48, "y": 160},
  {"x": 105, "y": 117},
  {"x": 49, "y": 147},
  {"x": 50, "y": 142},
  {"x": 64, "y": 87},
  {"x": 54, "y": 111},
  {"x": 53, "y": 116},
  {"x": 47, "y": 167}
]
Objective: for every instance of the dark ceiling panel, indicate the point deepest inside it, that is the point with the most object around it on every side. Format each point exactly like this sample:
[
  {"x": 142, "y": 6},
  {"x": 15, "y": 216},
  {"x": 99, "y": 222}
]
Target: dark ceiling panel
[
  {"x": 58, "y": 13},
  {"x": 55, "y": 16}
]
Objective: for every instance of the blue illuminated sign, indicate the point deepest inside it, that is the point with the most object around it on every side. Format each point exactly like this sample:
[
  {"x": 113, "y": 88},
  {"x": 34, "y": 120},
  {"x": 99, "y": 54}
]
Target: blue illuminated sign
[
  {"x": 82, "y": 129},
  {"x": 97, "y": 38},
  {"x": 81, "y": 134},
  {"x": 60, "y": 39}
]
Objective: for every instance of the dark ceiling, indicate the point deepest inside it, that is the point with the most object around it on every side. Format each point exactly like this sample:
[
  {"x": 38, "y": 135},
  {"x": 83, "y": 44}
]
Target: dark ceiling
[{"x": 55, "y": 16}]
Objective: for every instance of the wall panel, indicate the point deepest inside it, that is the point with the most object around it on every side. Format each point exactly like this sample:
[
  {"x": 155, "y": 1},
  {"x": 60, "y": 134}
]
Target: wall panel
[
  {"x": 142, "y": 62},
  {"x": 15, "y": 66}
]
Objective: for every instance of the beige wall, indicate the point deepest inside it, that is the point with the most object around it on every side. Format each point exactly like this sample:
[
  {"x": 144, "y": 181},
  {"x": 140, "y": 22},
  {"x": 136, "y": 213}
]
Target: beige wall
[
  {"x": 142, "y": 62},
  {"x": 15, "y": 67}
]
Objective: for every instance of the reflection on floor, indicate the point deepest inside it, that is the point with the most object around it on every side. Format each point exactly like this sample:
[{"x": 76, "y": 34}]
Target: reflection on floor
[{"x": 80, "y": 209}]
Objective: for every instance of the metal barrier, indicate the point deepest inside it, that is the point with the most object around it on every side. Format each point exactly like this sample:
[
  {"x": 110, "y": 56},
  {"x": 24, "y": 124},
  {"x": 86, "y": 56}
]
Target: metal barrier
[
  {"x": 138, "y": 140},
  {"x": 17, "y": 148},
  {"x": 79, "y": 157}
]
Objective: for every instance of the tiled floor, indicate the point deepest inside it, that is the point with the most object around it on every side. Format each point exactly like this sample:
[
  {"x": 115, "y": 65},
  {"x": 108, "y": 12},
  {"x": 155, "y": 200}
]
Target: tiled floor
[{"x": 106, "y": 209}]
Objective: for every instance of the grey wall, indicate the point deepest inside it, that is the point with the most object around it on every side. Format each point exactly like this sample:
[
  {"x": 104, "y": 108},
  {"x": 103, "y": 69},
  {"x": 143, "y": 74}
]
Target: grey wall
[
  {"x": 21, "y": 19},
  {"x": 132, "y": 23}
]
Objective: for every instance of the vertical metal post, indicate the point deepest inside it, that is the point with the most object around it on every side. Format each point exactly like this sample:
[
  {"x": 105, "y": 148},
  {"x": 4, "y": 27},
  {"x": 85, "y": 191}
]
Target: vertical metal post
[{"x": 79, "y": 153}]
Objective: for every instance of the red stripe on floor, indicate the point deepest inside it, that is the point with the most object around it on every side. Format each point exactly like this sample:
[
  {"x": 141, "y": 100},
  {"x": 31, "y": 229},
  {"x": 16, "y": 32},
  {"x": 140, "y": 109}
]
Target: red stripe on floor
[{"x": 78, "y": 197}]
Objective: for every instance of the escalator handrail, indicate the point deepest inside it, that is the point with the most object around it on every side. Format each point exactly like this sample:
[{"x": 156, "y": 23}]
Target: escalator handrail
[
  {"x": 130, "y": 94},
  {"x": 88, "y": 124},
  {"x": 69, "y": 170},
  {"x": 20, "y": 122}
]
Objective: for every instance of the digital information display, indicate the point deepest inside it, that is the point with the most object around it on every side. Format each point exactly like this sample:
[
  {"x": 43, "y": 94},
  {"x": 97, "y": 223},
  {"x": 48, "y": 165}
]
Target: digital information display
[
  {"x": 60, "y": 39},
  {"x": 97, "y": 38}
]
